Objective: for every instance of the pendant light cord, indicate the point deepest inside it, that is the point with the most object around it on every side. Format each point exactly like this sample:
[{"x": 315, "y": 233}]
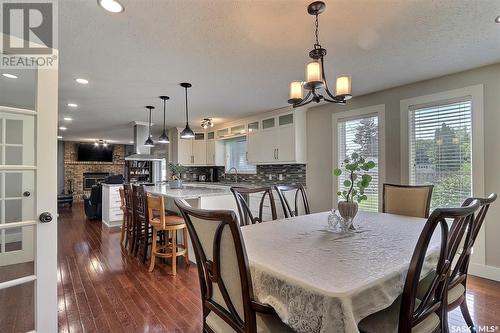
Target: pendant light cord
[
  {"x": 187, "y": 115},
  {"x": 149, "y": 127},
  {"x": 164, "y": 106}
]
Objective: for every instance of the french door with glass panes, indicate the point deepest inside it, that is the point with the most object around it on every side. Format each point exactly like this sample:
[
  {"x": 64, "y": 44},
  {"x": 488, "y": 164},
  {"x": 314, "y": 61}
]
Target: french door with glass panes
[{"x": 28, "y": 206}]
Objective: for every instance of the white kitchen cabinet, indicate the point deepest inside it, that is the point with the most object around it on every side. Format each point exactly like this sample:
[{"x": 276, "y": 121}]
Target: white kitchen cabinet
[
  {"x": 184, "y": 151},
  {"x": 199, "y": 152},
  {"x": 112, "y": 215},
  {"x": 281, "y": 139}
]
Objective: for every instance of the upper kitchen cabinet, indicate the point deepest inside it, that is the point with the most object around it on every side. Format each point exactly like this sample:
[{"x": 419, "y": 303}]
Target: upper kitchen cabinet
[
  {"x": 190, "y": 151},
  {"x": 278, "y": 139},
  {"x": 215, "y": 150}
]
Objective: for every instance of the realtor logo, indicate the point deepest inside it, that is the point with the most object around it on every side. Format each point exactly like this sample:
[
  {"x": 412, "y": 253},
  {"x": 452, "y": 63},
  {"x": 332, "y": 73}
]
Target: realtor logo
[{"x": 29, "y": 33}]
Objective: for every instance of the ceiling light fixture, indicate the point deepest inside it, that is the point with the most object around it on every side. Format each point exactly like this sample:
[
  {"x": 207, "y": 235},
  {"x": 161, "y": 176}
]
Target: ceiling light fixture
[
  {"x": 187, "y": 132},
  {"x": 149, "y": 141},
  {"x": 206, "y": 123},
  {"x": 59, "y": 137},
  {"x": 81, "y": 80},
  {"x": 101, "y": 142},
  {"x": 164, "y": 137},
  {"x": 112, "y": 6},
  {"x": 497, "y": 19},
  {"x": 67, "y": 119},
  {"x": 315, "y": 73},
  {"x": 72, "y": 105},
  {"x": 9, "y": 76},
  {"x": 62, "y": 128}
]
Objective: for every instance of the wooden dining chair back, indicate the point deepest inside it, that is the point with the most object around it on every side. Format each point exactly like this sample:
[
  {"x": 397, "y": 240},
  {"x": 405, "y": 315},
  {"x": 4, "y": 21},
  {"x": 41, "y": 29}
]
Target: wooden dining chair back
[
  {"x": 223, "y": 271},
  {"x": 124, "y": 227},
  {"x": 301, "y": 204},
  {"x": 457, "y": 284},
  {"x": 407, "y": 200},
  {"x": 142, "y": 228},
  {"x": 129, "y": 208},
  {"x": 255, "y": 205},
  {"x": 433, "y": 301}
]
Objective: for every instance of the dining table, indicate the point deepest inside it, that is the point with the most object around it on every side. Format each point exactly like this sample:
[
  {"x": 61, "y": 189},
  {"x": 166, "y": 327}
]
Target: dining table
[{"x": 322, "y": 281}]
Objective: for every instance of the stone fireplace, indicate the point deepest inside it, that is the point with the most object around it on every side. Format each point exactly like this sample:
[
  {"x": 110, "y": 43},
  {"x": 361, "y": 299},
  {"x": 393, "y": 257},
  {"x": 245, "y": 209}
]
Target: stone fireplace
[{"x": 93, "y": 178}]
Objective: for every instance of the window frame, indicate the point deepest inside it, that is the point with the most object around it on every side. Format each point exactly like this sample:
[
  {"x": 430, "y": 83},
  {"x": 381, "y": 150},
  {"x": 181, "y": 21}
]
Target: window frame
[
  {"x": 476, "y": 95},
  {"x": 379, "y": 110},
  {"x": 238, "y": 138}
]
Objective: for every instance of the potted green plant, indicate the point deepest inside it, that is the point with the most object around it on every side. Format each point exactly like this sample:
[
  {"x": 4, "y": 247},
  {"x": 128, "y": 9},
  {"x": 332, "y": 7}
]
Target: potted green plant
[
  {"x": 176, "y": 170},
  {"x": 356, "y": 181}
]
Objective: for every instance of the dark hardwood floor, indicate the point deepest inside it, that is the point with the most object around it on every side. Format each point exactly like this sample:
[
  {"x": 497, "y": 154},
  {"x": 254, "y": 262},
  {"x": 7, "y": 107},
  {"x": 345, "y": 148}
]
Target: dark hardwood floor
[{"x": 102, "y": 289}]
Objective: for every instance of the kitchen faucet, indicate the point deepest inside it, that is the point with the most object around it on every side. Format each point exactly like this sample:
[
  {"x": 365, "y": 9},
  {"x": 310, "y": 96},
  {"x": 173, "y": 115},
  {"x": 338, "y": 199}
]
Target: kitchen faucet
[{"x": 235, "y": 172}]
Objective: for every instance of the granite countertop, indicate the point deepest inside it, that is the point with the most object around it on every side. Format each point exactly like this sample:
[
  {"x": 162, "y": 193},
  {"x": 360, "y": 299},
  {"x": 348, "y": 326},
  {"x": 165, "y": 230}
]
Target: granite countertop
[{"x": 189, "y": 191}]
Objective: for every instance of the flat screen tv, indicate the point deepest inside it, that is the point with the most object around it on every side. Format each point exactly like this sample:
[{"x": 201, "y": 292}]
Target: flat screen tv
[{"x": 89, "y": 152}]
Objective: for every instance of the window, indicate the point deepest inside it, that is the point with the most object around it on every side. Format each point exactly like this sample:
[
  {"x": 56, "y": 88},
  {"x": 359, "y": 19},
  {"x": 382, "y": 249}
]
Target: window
[
  {"x": 440, "y": 150},
  {"x": 236, "y": 155},
  {"x": 360, "y": 135}
]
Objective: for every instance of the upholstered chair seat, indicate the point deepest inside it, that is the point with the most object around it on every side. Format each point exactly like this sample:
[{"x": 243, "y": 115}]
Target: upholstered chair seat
[
  {"x": 386, "y": 321},
  {"x": 266, "y": 323}
]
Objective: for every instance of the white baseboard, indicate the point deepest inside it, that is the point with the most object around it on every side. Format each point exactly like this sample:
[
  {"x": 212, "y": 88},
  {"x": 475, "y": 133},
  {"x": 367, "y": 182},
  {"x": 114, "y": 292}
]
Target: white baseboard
[
  {"x": 485, "y": 271},
  {"x": 112, "y": 224}
]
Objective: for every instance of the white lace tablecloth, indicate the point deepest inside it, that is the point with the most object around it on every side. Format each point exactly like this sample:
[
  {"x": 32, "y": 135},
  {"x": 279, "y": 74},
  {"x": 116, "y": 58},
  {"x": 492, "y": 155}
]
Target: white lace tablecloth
[{"x": 323, "y": 282}]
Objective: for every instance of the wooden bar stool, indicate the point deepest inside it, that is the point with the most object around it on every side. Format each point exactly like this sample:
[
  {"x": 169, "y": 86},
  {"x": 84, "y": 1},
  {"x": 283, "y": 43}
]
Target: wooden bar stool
[
  {"x": 169, "y": 224},
  {"x": 129, "y": 209},
  {"x": 123, "y": 207}
]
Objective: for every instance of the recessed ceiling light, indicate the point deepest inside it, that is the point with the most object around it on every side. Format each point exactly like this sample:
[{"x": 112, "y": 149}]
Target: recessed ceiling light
[
  {"x": 72, "y": 105},
  {"x": 497, "y": 19},
  {"x": 112, "y": 6},
  {"x": 81, "y": 80},
  {"x": 9, "y": 76},
  {"x": 59, "y": 137},
  {"x": 68, "y": 118},
  {"x": 131, "y": 142},
  {"x": 62, "y": 128}
]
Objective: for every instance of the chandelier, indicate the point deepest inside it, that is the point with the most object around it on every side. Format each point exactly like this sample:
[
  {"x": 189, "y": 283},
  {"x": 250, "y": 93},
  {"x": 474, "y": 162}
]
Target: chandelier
[{"x": 315, "y": 73}]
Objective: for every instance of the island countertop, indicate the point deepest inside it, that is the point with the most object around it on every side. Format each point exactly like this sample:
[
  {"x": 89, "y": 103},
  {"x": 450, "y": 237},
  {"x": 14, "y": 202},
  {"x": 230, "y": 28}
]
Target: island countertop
[{"x": 189, "y": 191}]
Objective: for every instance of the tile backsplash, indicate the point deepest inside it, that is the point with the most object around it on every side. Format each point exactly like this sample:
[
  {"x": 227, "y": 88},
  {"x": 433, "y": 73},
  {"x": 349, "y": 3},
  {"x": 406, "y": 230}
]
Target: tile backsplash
[{"x": 266, "y": 174}]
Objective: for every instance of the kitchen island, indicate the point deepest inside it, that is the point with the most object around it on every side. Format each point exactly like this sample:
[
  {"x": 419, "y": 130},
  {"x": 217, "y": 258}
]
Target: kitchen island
[{"x": 197, "y": 195}]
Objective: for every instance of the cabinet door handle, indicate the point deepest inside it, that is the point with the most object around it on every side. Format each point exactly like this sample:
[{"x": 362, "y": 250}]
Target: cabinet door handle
[
  {"x": 277, "y": 153},
  {"x": 246, "y": 156}
]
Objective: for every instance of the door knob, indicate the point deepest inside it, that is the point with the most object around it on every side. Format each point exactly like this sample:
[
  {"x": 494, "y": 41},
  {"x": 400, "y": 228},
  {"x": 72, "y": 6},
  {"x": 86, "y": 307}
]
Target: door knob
[
  {"x": 45, "y": 217},
  {"x": 26, "y": 193}
]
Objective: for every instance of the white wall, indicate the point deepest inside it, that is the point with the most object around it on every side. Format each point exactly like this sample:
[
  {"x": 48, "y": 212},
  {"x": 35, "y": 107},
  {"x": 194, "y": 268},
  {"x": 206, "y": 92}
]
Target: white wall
[{"x": 319, "y": 139}]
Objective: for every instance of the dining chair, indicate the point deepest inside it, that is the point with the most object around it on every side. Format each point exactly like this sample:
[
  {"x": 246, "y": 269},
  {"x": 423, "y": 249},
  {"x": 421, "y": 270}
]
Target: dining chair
[
  {"x": 170, "y": 225},
  {"x": 457, "y": 281},
  {"x": 245, "y": 199},
  {"x": 287, "y": 208},
  {"x": 225, "y": 280},
  {"x": 143, "y": 230},
  {"x": 409, "y": 200},
  {"x": 129, "y": 208},
  {"x": 427, "y": 314}
]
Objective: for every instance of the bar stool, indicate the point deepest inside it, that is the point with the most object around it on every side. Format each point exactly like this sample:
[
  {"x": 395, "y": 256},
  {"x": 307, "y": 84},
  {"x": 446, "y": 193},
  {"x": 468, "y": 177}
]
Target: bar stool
[
  {"x": 123, "y": 207},
  {"x": 169, "y": 224},
  {"x": 129, "y": 209}
]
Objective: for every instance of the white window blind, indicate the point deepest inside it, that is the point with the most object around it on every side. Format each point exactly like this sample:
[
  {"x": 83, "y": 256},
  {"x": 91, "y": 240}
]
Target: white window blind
[
  {"x": 236, "y": 155},
  {"x": 360, "y": 135},
  {"x": 440, "y": 150}
]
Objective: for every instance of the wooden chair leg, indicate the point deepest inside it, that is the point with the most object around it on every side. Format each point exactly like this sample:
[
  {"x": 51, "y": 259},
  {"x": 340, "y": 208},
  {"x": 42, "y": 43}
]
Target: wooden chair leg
[
  {"x": 185, "y": 240},
  {"x": 174, "y": 252},
  {"x": 467, "y": 316},
  {"x": 124, "y": 223},
  {"x": 153, "y": 252},
  {"x": 146, "y": 244}
]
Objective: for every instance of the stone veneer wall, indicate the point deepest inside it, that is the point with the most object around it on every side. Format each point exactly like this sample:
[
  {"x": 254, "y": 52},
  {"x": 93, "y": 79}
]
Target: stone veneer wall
[
  {"x": 291, "y": 173},
  {"x": 74, "y": 169}
]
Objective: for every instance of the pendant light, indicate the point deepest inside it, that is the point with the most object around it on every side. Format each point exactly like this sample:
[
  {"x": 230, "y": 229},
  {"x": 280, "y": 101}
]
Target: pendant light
[
  {"x": 149, "y": 141},
  {"x": 187, "y": 133},
  {"x": 164, "y": 137}
]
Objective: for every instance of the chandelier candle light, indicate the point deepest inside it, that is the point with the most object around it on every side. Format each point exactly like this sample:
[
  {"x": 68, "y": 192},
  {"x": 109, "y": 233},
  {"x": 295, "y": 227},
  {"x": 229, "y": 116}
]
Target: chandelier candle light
[
  {"x": 187, "y": 132},
  {"x": 315, "y": 73},
  {"x": 149, "y": 141},
  {"x": 164, "y": 137}
]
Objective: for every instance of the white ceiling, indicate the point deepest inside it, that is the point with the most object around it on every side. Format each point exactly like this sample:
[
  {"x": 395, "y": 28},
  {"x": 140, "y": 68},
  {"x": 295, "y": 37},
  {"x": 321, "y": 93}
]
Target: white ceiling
[{"x": 241, "y": 55}]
